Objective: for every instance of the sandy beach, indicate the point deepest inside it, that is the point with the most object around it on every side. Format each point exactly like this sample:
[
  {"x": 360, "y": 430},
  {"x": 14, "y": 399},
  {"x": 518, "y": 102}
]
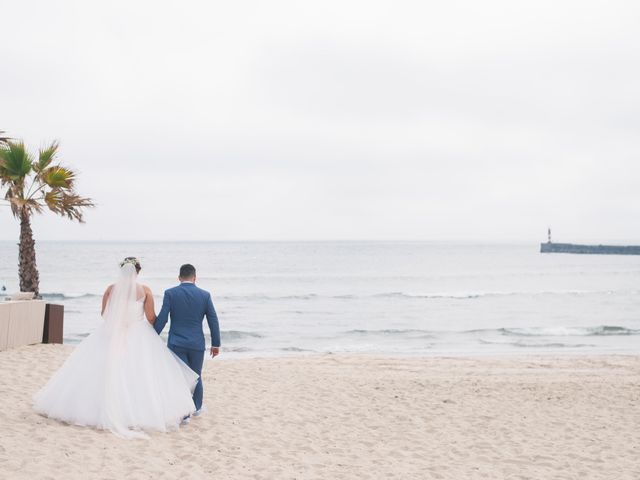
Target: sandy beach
[{"x": 352, "y": 417}]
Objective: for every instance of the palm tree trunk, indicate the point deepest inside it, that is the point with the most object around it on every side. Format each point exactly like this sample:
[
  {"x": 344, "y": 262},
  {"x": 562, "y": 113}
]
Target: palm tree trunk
[{"x": 29, "y": 277}]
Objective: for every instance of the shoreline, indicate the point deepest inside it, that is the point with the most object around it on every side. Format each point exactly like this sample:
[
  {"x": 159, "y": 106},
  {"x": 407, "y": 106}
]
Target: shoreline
[
  {"x": 518, "y": 356},
  {"x": 437, "y": 356}
]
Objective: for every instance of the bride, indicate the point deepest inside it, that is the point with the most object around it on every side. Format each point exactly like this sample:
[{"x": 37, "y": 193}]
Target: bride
[{"x": 122, "y": 377}]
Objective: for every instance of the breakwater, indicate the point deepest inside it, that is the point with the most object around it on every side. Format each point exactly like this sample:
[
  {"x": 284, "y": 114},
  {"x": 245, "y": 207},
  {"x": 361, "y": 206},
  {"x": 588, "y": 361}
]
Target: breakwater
[{"x": 550, "y": 247}]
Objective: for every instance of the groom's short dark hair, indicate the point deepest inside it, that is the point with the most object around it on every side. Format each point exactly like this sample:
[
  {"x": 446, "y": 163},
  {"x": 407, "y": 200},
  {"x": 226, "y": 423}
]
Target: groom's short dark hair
[{"x": 187, "y": 271}]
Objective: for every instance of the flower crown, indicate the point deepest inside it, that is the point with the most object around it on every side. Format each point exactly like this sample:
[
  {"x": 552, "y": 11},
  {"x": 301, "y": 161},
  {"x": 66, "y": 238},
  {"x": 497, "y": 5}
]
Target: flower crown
[{"x": 132, "y": 260}]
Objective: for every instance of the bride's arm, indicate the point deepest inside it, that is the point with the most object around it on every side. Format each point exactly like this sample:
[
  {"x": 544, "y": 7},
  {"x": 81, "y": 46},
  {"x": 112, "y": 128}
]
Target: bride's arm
[
  {"x": 149, "y": 307},
  {"x": 105, "y": 298}
]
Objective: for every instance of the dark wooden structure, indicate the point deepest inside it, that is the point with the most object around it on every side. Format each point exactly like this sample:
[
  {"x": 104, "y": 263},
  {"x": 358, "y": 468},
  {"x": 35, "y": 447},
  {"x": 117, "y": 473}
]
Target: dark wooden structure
[{"x": 53, "y": 323}]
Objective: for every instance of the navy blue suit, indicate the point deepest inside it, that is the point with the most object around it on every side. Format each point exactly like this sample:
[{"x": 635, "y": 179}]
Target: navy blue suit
[{"x": 188, "y": 305}]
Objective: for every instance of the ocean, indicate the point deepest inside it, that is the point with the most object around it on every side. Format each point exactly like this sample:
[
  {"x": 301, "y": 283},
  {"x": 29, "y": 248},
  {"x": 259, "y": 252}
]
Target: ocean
[{"x": 389, "y": 298}]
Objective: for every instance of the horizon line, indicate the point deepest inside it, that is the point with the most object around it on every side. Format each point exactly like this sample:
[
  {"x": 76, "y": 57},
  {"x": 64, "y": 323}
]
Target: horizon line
[{"x": 336, "y": 240}]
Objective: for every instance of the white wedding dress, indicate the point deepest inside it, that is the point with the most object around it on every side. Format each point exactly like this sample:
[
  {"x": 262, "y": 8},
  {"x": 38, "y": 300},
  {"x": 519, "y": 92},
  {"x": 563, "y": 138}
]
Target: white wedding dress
[{"x": 122, "y": 377}]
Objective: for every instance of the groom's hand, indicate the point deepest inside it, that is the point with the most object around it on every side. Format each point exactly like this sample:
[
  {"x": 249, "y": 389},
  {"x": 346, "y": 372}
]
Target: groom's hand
[{"x": 215, "y": 351}]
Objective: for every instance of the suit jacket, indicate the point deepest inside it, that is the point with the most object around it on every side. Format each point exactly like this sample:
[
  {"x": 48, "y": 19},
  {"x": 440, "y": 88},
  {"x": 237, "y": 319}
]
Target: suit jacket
[{"x": 188, "y": 305}]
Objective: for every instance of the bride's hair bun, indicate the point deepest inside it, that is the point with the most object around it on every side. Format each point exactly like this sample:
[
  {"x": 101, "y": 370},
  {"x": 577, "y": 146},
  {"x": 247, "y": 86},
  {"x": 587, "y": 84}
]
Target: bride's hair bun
[{"x": 133, "y": 261}]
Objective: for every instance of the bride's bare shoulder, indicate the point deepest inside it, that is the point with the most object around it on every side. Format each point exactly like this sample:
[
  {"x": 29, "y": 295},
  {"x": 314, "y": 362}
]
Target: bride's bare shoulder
[{"x": 146, "y": 289}]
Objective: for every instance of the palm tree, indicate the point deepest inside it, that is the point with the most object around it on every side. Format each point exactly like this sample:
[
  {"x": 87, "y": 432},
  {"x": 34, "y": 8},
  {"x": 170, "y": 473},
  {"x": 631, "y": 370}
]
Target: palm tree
[
  {"x": 31, "y": 185},
  {"x": 3, "y": 139}
]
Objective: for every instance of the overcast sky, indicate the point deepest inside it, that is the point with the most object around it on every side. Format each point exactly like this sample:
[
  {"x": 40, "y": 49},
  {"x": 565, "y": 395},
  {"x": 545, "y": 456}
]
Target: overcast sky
[{"x": 243, "y": 120}]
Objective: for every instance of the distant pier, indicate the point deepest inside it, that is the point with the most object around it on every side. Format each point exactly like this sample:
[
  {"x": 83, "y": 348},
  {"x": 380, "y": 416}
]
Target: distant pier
[{"x": 550, "y": 247}]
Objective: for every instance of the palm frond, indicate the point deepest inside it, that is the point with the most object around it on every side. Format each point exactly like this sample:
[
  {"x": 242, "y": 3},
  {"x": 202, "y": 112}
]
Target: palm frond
[
  {"x": 33, "y": 205},
  {"x": 58, "y": 177},
  {"x": 68, "y": 205},
  {"x": 13, "y": 199},
  {"x": 45, "y": 157},
  {"x": 52, "y": 198},
  {"x": 3, "y": 138},
  {"x": 15, "y": 162}
]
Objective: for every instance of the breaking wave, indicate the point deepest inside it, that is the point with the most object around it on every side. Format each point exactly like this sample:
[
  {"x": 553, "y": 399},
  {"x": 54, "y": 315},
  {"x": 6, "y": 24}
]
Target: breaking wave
[
  {"x": 601, "y": 330},
  {"x": 239, "y": 335}
]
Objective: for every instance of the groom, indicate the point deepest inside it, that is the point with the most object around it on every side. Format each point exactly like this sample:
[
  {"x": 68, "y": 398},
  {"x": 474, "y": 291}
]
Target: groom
[{"x": 188, "y": 305}]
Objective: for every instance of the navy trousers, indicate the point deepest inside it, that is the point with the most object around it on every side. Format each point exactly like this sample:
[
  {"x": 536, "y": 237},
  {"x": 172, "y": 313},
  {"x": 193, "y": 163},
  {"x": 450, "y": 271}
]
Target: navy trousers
[{"x": 195, "y": 359}]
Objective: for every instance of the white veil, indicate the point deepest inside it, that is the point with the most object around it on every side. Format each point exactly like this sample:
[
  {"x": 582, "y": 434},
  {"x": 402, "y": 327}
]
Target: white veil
[{"x": 121, "y": 311}]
